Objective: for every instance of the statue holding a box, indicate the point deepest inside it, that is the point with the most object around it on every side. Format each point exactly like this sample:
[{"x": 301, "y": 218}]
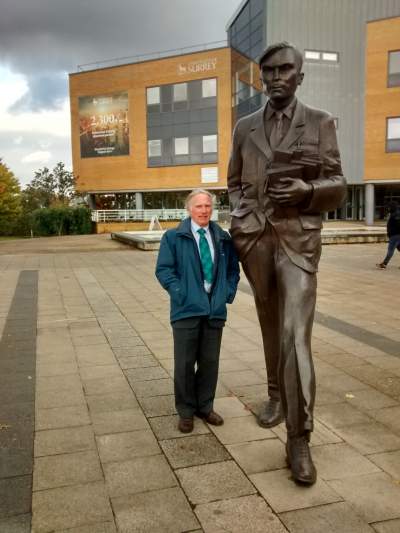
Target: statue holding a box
[{"x": 284, "y": 172}]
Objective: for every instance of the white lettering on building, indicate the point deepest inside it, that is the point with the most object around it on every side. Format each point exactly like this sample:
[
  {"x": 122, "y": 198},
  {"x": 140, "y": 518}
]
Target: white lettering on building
[{"x": 198, "y": 66}]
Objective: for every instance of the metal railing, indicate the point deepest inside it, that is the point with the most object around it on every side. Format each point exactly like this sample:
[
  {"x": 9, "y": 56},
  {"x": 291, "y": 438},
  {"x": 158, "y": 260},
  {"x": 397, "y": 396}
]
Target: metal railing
[
  {"x": 127, "y": 215},
  {"x": 154, "y": 55}
]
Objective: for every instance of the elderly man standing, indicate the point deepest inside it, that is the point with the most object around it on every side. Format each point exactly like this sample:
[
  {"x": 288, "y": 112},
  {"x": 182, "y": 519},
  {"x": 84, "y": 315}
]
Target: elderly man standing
[
  {"x": 276, "y": 227},
  {"x": 198, "y": 266}
]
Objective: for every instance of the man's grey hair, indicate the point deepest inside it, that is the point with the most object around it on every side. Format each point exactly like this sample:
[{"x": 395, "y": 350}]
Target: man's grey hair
[
  {"x": 273, "y": 48},
  {"x": 194, "y": 193}
]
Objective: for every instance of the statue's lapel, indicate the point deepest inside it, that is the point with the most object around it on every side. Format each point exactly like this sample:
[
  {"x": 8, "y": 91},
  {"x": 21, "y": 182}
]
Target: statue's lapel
[{"x": 257, "y": 133}]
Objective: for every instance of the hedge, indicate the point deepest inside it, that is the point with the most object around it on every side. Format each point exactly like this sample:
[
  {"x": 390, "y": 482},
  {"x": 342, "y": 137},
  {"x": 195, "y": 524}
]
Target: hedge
[{"x": 54, "y": 221}]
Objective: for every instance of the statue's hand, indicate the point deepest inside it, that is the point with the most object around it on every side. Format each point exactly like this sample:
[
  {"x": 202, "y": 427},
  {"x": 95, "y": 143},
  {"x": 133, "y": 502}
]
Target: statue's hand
[{"x": 290, "y": 191}]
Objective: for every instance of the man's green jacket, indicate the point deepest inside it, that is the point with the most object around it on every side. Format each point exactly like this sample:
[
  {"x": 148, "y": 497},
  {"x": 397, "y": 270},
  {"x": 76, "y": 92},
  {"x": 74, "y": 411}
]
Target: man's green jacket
[{"x": 179, "y": 271}]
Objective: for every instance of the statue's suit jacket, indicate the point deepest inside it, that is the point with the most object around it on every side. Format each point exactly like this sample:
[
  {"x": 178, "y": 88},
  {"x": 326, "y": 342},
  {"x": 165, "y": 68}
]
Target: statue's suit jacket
[{"x": 298, "y": 228}]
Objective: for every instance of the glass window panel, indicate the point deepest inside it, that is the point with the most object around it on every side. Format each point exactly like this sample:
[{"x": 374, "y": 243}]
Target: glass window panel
[
  {"x": 393, "y": 145},
  {"x": 181, "y": 145},
  {"x": 154, "y": 148},
  {"x": 312, "y": 54},
  {"x": 209, "y": 88},
  {"x": 393, "y": 128},
  {"x": 180, "y": 92},
  {"x": 153, "y": 95},
  {"x": 209, "y": 144},
  {"x": 394, "y": 62},
  {"x": 330, "y": 56}
]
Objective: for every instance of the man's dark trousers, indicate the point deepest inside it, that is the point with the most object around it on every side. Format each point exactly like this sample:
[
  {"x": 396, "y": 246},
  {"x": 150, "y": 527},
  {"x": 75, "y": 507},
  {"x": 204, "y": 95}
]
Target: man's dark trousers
[{"x": 197, "y": 343}]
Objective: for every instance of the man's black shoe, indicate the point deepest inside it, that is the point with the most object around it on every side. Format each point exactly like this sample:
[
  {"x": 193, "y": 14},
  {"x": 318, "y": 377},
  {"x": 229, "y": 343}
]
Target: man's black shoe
[
  {"x": 299, "y": 460},
  {"x": 185, "y": 425},
  {"x": 271, "y": 414}
]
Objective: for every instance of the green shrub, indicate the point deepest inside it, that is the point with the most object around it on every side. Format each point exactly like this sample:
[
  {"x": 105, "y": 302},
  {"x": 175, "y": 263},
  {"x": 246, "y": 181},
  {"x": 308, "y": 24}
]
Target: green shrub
[{"x": 54, "y": 221}]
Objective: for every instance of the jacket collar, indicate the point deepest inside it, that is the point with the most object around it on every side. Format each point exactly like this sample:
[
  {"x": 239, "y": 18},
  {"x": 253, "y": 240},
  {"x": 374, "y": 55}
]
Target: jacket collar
[
  {"x": 296, "y": 130},
  {"x": 185, "y": 230}
]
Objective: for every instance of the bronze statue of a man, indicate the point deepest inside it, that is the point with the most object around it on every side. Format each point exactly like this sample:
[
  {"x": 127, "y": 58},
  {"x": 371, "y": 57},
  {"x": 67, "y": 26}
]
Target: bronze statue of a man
[{"x": 283, "y": 173}]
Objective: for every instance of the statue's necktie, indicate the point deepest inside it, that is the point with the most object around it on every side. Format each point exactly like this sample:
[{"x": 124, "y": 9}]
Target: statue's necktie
[
  {"x": 205, "y": 256},
  {"x": 276, "y": 132}
]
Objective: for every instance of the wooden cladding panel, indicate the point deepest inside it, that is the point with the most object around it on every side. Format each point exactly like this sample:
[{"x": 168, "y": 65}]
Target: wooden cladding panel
[
  {"x": 380, "y": 101},
  {"x": 113, "y": 173}
]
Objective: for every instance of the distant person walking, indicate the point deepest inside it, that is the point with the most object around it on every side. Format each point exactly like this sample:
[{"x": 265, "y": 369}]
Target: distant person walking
[{"x": 393, "y": 232}]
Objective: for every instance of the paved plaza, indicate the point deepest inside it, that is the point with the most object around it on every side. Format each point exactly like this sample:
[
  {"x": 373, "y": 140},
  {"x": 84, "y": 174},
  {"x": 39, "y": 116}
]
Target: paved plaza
[{"x": 88, "y": 438}]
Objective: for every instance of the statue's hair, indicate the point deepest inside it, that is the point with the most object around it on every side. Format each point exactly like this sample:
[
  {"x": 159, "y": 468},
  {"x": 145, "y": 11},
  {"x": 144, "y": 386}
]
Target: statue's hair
[
  {"x": 194, "y": 193},
  {"x": 273, "y": 48}
]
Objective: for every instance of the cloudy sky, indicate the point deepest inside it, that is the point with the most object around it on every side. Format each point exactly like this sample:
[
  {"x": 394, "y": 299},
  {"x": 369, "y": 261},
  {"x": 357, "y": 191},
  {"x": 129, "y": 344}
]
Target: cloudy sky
[{"x": 41, "y": 41}]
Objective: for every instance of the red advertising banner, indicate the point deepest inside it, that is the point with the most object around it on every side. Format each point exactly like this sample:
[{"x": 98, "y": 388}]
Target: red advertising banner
[{"x": 104, "y": 125}]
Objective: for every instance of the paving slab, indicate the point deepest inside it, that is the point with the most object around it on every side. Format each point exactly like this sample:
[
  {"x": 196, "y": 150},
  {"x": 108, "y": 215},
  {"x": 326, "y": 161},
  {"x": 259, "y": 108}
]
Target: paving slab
[
  {"x": 389, "y": 462},
  {"x": 172, "y": 512},
  {"x": 259, "y": 455},
  {"x": 332, "y": 518},
  {"x": 374, "y": 497},
  {"x": 62, "y": 417},
  {"x": 389, "y": 526},
  {"x": 138, "y": 475},
  {"x": 166, "y": 427},
  {"x": 116, "y": 401},
  {"x": 230, "y": 407},
  {"x": 241, "y": 429},
  {"x": 118, "y": 421},
  {"x": 158, "y": 405},
  {"x": 217, "y": 481},
  {"x": 282, "y": 494},
  {"x": 59, "y": 441},
  {"x": 236, "y": 515},
  {"x": 193, "y": 450},
  {"x": 66, "y": 469},
  {"x": 124, "y": 446},
  {"x": 67, "y": 507},
  {"x": 335, "y": 461},
  {"x": 369, "y": 438}
]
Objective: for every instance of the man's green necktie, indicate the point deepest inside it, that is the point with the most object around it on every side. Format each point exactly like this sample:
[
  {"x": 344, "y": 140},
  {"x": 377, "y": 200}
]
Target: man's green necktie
[{"x": 205, "y": 256}]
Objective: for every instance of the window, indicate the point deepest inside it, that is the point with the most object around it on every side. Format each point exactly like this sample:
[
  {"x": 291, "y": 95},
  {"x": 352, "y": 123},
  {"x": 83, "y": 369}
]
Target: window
[
  {"x": 180, "y": 92},
  {"x": 329, "y": 56},
  {"x": 321, "y": 56},
  {"x": 209, "y": 144},
  {"x": 181, "y": 146},
  {"x": 153, "y": 95},
  {"x": 394, "y": 69},
  {"x": 311, "y": 54},
  {"x": 209, "y": 88},
  {"x": 393, "y": 134},
  {"x": 154, "y": 148}
]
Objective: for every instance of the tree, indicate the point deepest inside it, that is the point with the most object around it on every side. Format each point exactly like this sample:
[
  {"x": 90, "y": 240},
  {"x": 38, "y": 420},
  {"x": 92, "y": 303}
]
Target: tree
[
  {"x": 48, "y": 188},
  {"x": 10, "y": 200}
]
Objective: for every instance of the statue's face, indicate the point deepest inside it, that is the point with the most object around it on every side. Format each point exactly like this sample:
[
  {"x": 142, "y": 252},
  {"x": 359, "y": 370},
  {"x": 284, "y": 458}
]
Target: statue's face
[{"x": 281, "y": 75}]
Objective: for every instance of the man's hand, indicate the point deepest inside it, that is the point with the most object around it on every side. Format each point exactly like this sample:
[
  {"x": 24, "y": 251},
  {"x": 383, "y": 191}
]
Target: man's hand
[{"x": 290, "y": 191}]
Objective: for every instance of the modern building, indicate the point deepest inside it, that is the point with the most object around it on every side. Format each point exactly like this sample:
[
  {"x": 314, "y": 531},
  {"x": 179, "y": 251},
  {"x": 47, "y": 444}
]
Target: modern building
[
  {"x": 382, "y": 116},
  {"x": 147, "y": 131},
  {"x": 332, "y": 34}
]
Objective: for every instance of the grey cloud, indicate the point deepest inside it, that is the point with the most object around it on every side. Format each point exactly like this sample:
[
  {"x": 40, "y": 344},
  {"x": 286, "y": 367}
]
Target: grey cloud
[
  {"x": 54, "y": 36},
  {"x": 44, "y": 92}
]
